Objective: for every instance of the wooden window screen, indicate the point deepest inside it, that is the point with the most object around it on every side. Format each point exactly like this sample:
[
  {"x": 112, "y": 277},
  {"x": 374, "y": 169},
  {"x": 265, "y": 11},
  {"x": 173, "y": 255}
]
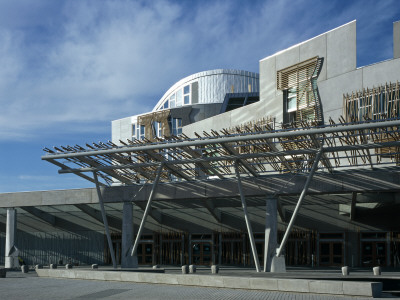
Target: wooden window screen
[
  {"x": 373, "y": 104},
  {"x": 301, "y": 79}
]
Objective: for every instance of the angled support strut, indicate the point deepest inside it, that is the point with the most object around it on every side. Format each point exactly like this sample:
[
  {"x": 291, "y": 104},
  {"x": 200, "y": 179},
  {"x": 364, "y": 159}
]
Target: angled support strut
[
  {"x": 246, "y": 217},
  {"x": 147, "y": 210},
  {"x": 302, "y": 195},
  {"x": 105, "y": 221}
]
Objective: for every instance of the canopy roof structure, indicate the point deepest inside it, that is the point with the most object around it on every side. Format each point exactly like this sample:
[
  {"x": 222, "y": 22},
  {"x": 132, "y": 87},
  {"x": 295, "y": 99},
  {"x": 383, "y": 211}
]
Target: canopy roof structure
[
  {"x": 259, "y": 151},
  {"x": 254, "y": 152}
]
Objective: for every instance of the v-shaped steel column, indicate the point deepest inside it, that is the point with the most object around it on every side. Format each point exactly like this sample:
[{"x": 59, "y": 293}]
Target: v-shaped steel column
[
  {"x": 246, "y": 217},
  {"x": 147, "y": 210},
  {"x": 105, "y": 221},
  {"x": 302, "y": 195}
]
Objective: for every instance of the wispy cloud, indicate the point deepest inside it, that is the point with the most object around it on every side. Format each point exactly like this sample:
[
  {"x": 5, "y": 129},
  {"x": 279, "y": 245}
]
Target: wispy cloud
[{"x": 71, "y": 65}]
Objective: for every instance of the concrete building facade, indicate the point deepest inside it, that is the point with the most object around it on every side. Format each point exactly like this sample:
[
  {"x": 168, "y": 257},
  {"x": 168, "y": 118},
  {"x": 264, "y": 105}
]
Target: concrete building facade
[{"x": 348, "y": 216}]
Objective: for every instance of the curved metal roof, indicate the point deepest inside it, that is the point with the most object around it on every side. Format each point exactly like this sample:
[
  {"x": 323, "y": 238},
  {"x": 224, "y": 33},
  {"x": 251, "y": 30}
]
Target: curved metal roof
[{"x": 195, "y": 76}]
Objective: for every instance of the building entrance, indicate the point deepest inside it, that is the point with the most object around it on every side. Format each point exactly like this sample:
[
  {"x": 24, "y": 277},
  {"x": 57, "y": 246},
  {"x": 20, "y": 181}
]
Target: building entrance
[
  {"x": 145, "y": 254},
  {"x": 373, "y": 249},
  {"x": 201, "y": 253},
  {"x": 331, "y": 249},
  {"x": 373, "y": 254}
]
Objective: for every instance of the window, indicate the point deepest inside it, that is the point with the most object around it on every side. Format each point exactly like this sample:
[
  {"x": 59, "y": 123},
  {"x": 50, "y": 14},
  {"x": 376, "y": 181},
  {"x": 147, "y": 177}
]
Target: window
[
  {"x": 176, "y": 126},
  {"x": 179, "y": 98},
  {"x": 166, "y": 104},
  {"x": 186, "y": 94},
  {"x": 157, "y": 127},
  {"x": 299, "y": 84},
  {"x": 172, "y": 101},
  {"x": 138, "y": 132}
]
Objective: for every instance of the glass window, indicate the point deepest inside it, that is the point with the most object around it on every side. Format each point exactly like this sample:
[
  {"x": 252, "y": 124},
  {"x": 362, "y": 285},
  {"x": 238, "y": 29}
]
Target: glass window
[
  {"x": 186, "y": 99},
  {"x": 291, "y": 100},
  {"x": 176, "y": 126},
  {"x": 186, "y": 94},
  {"x": 172, "y": 101},
  {"x": 179, "y": 98},
  {"x": 166, "y": 104},
  {"x": 186, "y": 89},
  {"x": 157, "y": 129},
  {"x": 138, "y": 132}
]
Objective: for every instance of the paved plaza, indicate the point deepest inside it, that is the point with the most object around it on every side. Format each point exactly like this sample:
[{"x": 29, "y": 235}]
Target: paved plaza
[{"x": 29, "y": 286}]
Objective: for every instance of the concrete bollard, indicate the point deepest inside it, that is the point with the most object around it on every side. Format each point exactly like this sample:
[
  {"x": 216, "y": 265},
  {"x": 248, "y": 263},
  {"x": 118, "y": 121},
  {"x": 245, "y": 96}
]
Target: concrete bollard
[
  {"x": 376, "y": 270},
  {"x": 192, "y": 269},
  {"x": 214, "y": 269},
  {"x": 53, "y": 266},
  {"x": 68, "y": 266},
  {"x": 156, "y": 267},
  {"x": 24, "y": 269},
  {"x": 95, "y": 266},
  {"x": 345, "y": 271},
  {"x": 38, "y": 267},
  {"x": 185, "y": 269}
]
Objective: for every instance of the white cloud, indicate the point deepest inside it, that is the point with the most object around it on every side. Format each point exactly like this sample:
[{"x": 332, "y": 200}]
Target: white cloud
[{"x": 80, "y": 64}]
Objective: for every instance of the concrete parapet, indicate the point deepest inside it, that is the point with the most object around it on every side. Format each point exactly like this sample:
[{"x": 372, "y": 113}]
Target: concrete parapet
[
  {"x": 332, "y": 287},
  {"x": 345, "y": 271},
  {"x": 24, "y": 269},
  {"x": 185, "y": 269},
  {"x": 192, "y": 269},
  {"x": 376, "y": 270},
  {"x": 68, "y": 266},
  {"x": 95, "y": 266},
  {"x": 53, "y": 266},
  {"x": 214, "y": 269}
]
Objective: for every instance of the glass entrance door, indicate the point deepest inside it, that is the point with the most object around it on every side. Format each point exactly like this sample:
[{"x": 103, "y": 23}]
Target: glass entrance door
[
  {"x": 201, "y": 253},
  {"x": 373, "y": 254},
  {"x": 331, "y": 253},
  {"x": 145, "y": 253}
]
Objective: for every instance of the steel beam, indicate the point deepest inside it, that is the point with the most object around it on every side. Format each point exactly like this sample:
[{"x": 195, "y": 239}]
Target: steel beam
[
  {"x": 209, "y": 205},
  {"x": 302, "y": 196},
  {"x": 105, "y": 221},
  {"x": 44, "y": 216},
  {"x": 246, "y": 217},
  {"x": 234, "y": 157},
  {"x": 232, "y": 139},
  {"x": 245, "y": 164},
  {"x": 148, "y": 208},
  {"x": 95, "y": 214}
]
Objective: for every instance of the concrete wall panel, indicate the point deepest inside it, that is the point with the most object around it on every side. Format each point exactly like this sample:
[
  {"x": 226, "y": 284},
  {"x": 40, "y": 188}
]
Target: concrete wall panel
[
  {"x": 268, "y": 79},
  {"x": 332, "y": 90},
  {"x": 315, "y": 47},
  {"x": 381, "y": 73},
  {"x": 288, "y": 58},
  {"x": 341, "y": 50}
]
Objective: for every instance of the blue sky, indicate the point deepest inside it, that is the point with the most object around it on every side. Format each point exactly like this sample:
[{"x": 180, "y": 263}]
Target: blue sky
[{"x": 67, "y": 68}]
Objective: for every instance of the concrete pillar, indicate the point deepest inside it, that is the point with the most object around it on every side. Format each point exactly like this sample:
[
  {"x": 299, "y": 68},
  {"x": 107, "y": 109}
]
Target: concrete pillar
[
  {"x": 11, "y": 254},
  {"x": 271, "y": 233},
  {"x": 127, "y": 261},
  {"x": 396, "y": 39},
  {"x": 220, "y": 248}
]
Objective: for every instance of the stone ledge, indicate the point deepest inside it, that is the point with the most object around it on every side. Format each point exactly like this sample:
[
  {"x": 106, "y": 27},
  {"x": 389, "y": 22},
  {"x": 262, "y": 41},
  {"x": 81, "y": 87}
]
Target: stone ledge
[{"x": 329, "y": 287}]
